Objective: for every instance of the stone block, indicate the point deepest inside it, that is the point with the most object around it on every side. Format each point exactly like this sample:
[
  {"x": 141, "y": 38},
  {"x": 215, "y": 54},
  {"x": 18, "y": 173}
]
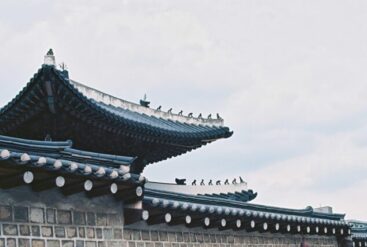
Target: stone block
[
  {"x": 90, "y": 232},
  {"x": 10, "y": 229},
  {"x": 154, "y": 236},
  {"x": 113, "y": 220},
  {"x": 5, "y": 213},
  {"x": 145, "y": 235},
  {"x": 179, "y": 237},
  {"x": 113, "y": 244},
  {"x": 90, "y": 244},
  {"x": 149, "y": 244},
  {"x": 36, "y": 231},
  {"x": 158, "y": 244},
  {"x": 79, "y": 218},
  {"x": 67, "y": 243},
  {"x": 127, "y": 234},
  {"x": 101, "y": 219},
  {"x": 2, "y": 242},
  {"x": 81, "y": 231},
  {"x": 131, "y": 244},
  {"x": 59, "y": 232},
  {"x": 117, "y": 233},
  {"x": 101, "y": 244},
  {"x": 163, "y": 236},
  {"x": 140, "y": 244},
  {"x": 38, "y": 243},
  {"x": 136, "y": 235},
  {"x": 21, "y": 214},
  {"x": 23, "y": 242},
  {"x": 186, "y": 237},
  {"x": 11, "y": 242},
  {"x": 79, "y": 243},
  {"x": 64, "y": 217},
  {"x": 71, "y": 232},
  {"x": 91, "y": 219},
  {"x": 47, "y": 231},
  {"x": 199, "y": 237},
  {"x": 107, "y": 232},
  {"x": 99, "y": 233},
  {"x": 171, "y": 237},
  {"x": 37, "y": 215},
  {"x": 192, "y": 237},
  {"x": 53, "y": 243},
  {"x": 24, "y": 230},
  {"x": 50, "y": 215}
]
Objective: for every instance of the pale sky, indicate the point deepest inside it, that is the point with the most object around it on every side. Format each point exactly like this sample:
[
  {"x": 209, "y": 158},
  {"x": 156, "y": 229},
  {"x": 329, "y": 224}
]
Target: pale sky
[{"x": 289, "y": 78}]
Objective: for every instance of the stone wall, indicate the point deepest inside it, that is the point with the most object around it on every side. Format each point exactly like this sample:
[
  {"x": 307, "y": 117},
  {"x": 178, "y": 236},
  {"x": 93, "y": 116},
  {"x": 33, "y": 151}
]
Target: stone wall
[
  {"x": 141, "y": 235},
  {"x": 49, "y": 219}
]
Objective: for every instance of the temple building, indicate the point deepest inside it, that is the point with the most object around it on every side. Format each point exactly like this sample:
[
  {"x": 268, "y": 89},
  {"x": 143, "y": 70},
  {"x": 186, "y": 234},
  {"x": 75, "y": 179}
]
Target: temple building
[{"x": 71, "y": 162}]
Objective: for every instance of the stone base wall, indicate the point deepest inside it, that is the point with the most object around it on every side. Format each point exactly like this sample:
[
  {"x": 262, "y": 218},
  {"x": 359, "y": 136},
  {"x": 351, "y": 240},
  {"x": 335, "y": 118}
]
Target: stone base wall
[
  {"x": 49, "y": 219},
  {"x": 141, "y": 235}
]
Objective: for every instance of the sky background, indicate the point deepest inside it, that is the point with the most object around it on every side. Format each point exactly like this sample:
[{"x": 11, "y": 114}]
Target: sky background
[{"x": 289, "y": 78}]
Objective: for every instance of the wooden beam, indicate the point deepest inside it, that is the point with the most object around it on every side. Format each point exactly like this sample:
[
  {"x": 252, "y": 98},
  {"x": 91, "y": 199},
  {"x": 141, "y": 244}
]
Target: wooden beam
[
  {"x": 17, "y": 179},
  {"x": 130, "y": 194}
]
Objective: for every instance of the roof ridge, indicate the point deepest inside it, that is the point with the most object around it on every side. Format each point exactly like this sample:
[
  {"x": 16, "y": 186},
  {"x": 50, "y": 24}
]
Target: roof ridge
[{"x": 108, "y": 99}]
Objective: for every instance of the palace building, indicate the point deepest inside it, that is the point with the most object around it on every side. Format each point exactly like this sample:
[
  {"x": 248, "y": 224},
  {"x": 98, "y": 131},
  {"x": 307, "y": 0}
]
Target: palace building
[{"x": 71, "y": 159}]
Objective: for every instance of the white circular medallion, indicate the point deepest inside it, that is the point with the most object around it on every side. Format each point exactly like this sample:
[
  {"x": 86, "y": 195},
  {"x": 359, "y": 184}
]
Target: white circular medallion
[
  {"x": 206, "y": 221},
  {"x": 60, "y": 181},
  {"x": 139, "y": 191},
  {"x": 223, "y": 222},
  {"x": 88, "y": 185},
  {"x": 28, "y": 177},
  {"x": 188, "y": 219},
  {"x": 238, "y": 223},
  {"x": 168, "y": 217},
  {"x": 113, "y": 188},
  {"x": 252, "y": 224},
  {"x": 145, "y": 214}
]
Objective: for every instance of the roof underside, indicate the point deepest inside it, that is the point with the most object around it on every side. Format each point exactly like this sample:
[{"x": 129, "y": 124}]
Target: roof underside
[{"x": 53, "y": 106}]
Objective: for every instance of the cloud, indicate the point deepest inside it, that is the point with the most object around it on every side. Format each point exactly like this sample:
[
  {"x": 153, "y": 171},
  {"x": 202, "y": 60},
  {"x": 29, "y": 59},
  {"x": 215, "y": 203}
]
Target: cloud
[{"x": 289, "y": 79}]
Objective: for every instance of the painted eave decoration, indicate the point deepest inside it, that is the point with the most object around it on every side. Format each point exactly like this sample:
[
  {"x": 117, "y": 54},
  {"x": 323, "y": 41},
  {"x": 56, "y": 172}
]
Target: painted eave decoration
[{"x": 45, "y": 165}]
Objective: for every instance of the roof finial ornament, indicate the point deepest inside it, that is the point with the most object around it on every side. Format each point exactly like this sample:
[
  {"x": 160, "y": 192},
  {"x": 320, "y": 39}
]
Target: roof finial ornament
[
  {"x": 159, "y": 108},
  {"x": 144, "y": 102},
  {"x": 200, "y": 115},
  {"x": 50, "y": 58},
  {"x": 218, "y": 117},
  {"x": 210, "y": 116},
  {"x": 190, "y": 114},
  {"x": 170, "y": 110},
  {"x": 180, "y": 113},
  {"x": 193, "y": 182},
  {"x": 202, "y": 182}
]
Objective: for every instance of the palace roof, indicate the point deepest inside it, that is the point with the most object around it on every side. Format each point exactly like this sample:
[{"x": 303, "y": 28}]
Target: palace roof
[
  {"x": 197, "y": 210},
  {"x": 46, "y": 165},
  {"x": 52, "y": 105},
  {"x": 359, "y": 232}
]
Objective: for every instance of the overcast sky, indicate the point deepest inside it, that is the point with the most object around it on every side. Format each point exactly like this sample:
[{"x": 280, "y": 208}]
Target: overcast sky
[{"x": 289, "y": 78}]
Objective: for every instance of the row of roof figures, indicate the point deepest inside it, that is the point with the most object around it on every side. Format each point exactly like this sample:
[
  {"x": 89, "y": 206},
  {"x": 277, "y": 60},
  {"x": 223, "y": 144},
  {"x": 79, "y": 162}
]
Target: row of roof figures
[
  {"x": 218, "y": 182},
  {"x": 146, "y": 103}
]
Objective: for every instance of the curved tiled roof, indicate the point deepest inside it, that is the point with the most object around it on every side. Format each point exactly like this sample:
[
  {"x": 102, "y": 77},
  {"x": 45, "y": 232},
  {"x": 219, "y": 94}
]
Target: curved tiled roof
[{"x": 53, "y": 104}]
